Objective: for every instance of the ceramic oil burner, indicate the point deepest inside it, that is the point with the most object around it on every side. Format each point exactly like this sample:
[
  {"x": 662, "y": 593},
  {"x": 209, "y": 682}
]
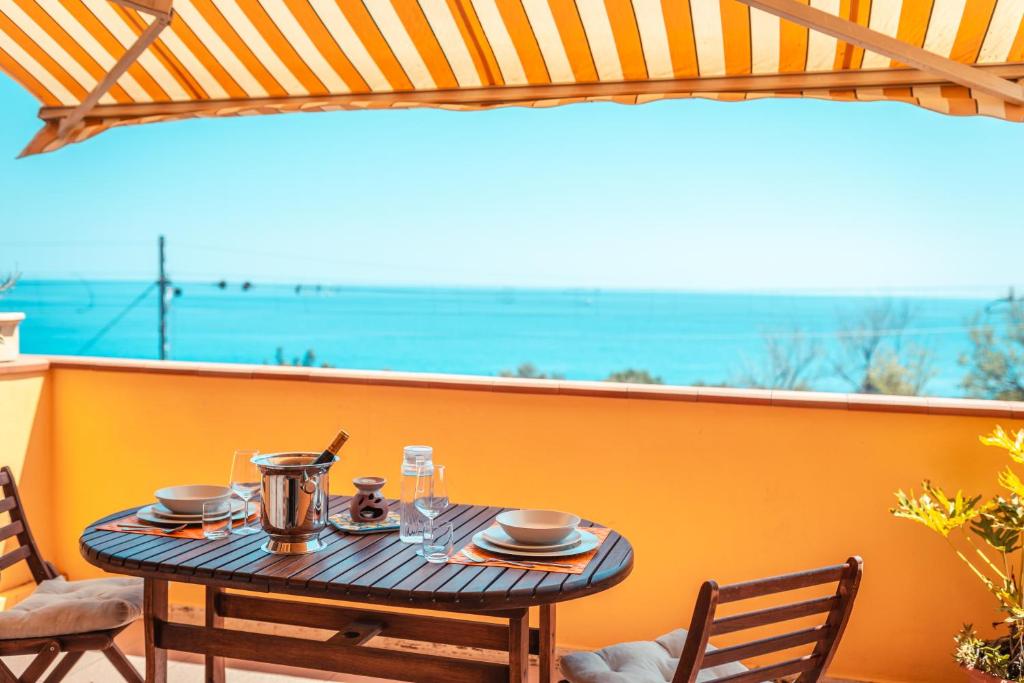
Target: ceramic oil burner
[{"x": 368, "y": 505}]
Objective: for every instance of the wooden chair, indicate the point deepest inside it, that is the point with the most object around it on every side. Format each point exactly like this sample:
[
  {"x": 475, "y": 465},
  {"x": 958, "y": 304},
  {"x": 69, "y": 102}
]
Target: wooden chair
[
  {"x": 46, "y": 649},
  {"x": 823, "y": 637}
]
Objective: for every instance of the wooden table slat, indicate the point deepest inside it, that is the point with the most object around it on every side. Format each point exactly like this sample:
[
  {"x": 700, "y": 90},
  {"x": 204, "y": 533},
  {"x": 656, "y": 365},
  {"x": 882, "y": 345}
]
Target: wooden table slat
[
  {"x": 606, "y": 552},
  {"x": 396, "y": 560},
  {"x": 397, "y": 580},
  {"x": 364, "y": 561}
]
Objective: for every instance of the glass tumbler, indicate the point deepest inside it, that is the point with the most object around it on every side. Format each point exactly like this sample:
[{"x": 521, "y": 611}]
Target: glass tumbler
[
  {"x": 438, "y": 540},
  {"x": 217, "y": 518}
]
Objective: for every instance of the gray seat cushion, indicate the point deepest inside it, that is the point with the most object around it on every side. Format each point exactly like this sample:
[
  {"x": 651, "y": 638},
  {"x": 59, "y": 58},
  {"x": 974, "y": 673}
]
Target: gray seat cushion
[
  {"x": 60, "y": 608},
  {"x": 638, "y": 662}
]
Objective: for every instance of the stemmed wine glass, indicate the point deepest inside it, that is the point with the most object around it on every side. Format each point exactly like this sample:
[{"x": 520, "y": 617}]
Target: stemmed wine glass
[
  {"x": 245, "y": 482},
  {"x": 431, "y": 497}
]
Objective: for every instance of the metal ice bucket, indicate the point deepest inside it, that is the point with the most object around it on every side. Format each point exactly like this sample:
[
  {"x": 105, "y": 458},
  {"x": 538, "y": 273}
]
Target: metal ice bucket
[{"x": 295, "y": 501}]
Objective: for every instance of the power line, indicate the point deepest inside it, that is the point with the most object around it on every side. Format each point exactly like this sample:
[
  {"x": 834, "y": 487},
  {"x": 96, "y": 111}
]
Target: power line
[
  {"x": 858, "y": 291},
  {"x": 72, "y": 243},
  {"x": 117, "y": 318}
]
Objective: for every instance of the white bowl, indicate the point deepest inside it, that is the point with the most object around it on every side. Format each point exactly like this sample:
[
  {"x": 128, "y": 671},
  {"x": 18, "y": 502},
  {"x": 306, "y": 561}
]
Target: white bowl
[
  {"x": 189, "y": 500},
  {"x": 537, "y": 527}
]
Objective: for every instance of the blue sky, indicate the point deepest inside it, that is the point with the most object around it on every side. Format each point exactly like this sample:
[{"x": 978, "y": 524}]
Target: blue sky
[{"x": 767, "y": 195}]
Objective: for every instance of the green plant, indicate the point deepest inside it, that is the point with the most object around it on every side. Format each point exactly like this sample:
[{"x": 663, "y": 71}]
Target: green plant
[
  {"x": 790, "y": 361},
  {"x": 308, "y": 360},
  {"x": 635, "y": 376},
  {"x": 997, "y": 562},
  {"x": 530, "y": 371},
  {"x": 875, "y": 357},
  {"x": 995, "y": 365},
  {"x": 992, "y": 657}
]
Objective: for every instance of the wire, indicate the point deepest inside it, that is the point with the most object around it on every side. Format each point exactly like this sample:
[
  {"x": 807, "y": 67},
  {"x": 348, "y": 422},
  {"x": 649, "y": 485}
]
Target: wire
[
  {"x": 75, "y": 243},
  {"x": 117, "y": 318}
]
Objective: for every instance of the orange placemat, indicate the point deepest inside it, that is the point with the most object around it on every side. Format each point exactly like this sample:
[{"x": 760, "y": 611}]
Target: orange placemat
[
  {"x": 187, "y": 532},
  {"x": 579, "y": 562}
]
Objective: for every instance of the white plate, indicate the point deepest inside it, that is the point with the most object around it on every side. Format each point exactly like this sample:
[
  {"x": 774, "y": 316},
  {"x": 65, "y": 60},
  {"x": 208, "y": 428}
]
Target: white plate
[
  {"x": 158, "y": 510},
  {"x": 146, "y": 515},
  {"x": 499, "y": 537},
  {"x": 588, "y": 542}
]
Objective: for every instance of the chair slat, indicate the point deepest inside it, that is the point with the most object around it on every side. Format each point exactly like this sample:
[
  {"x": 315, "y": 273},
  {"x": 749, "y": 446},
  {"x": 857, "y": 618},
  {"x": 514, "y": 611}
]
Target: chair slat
[
  {"x": 765, "y": 645},
  {"x": 12, "y": 529},
  {"x": 46, "y": 649},
  {"x": 16, "y": 555},
  {"x": 832, "y": 612},
  {"x": 768, "y": 673},
  {"x": 12, "y": 504},
  {"x": 779, "y": 584},
  {"x": 773, "y": 615}
]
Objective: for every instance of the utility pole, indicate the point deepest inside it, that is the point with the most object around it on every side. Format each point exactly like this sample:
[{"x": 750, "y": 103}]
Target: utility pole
[{"x": 164, "y": 286}]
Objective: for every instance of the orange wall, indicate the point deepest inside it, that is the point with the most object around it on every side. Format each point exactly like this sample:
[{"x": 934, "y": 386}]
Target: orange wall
[
  {"x": 701, "y": 489},
  {"x": 25, "y": 447}
]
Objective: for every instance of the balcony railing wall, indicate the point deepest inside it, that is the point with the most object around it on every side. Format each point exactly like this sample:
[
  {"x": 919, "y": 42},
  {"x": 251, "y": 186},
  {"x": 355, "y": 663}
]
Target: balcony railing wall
[{"x": 724, "y": 484}]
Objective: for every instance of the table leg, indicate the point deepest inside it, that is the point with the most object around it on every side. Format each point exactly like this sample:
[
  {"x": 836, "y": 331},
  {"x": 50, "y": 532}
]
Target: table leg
[
  {"x": 154, "y": 609},
  {"x": 519, "y": 646},
  {"x": 214, "y": 665},
  {"x": 548, "y": 660}
]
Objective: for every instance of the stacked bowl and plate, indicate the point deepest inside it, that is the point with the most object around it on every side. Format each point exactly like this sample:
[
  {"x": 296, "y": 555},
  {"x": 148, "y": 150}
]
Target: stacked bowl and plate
[
  {"x": 178, "y": 505},
  {"x": 536, "y": 534}
]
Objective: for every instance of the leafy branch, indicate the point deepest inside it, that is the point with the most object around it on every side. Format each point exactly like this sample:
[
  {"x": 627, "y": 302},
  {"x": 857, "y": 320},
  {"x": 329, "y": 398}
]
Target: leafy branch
[{"x": 999, "y": 523}]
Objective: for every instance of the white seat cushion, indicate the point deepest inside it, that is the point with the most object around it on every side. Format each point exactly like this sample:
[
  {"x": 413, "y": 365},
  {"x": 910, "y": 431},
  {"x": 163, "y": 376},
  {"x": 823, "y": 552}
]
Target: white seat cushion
[
  {"x": 638, "y": 662},
  {"x": 59, "y": 608}
]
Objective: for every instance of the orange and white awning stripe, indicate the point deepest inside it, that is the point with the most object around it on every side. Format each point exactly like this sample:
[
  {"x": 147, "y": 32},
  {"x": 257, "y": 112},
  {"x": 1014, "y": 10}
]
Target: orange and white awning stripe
[{"x": 243, "y": 57}]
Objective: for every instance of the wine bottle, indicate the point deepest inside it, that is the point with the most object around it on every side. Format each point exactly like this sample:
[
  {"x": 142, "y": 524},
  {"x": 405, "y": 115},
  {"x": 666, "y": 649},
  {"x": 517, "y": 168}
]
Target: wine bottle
[{"x": 333, "y": 449}]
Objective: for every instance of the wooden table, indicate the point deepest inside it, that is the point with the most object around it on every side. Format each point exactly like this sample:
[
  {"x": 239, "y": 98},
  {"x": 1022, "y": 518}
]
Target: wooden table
[{"x": 378, "y": 571}]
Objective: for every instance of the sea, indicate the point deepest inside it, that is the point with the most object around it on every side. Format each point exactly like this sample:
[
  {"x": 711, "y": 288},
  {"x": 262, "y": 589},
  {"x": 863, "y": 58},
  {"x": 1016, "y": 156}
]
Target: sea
[{"x": 680, "y": 337}]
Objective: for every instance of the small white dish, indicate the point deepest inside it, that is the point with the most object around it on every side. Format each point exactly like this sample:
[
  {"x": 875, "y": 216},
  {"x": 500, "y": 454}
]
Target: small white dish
[
  {"x": 146, "y": 514},
  {"x": 588, "y": 542},
  {"x": 497, "y": 536},
  {"x": 159, "y": 510},
  {"x": 537, "y": 527},
  {"x": 189, "y": 500}
]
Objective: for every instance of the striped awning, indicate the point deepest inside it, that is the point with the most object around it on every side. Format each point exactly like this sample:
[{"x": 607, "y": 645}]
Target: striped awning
[{"x": 219, "y": 58}]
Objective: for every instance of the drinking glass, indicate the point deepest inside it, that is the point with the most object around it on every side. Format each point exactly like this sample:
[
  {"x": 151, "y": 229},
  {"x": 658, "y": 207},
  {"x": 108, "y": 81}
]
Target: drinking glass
[
  {"x": 216, "y": 518},
  {"x": 245, "y": 482},
  {"x": 438, "y": 542},
  {"x": 431, "y": 497}
]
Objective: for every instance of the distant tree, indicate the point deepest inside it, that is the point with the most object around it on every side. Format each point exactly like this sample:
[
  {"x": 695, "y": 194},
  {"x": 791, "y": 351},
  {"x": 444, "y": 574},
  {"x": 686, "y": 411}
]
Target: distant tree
[
  {"x": 995, "y": 365},
  {"x": 874, "y": 356},
  {"x": 8, "y": 282},
  {"x": 634, "y": 376},
  {"x": 790, "y": 361},
  {"x": 308, "y": 359},
  {"x": 530, "y": 371}
]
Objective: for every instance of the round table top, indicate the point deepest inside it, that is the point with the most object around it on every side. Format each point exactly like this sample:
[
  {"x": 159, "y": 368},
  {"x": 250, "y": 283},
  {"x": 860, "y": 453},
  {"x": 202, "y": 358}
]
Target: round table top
[{"x": 373, "y": 568}]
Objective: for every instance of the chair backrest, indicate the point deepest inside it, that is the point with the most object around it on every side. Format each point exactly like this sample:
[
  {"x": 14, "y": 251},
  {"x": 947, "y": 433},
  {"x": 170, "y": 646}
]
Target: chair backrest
[
  {"x": 824, "y": 636},
  {"x": 18, "y": 529}
]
